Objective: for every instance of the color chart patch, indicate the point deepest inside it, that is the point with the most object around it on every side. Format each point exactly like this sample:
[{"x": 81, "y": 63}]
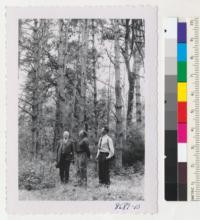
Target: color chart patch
[
  {"x": 182, "y": 101},
  {"x": 171, "y": 109},
  {"x": 182, "y": 109}
]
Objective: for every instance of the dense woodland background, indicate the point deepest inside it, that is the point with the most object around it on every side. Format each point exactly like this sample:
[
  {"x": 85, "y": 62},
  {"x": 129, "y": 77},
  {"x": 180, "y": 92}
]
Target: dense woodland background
[{"x": 76, "y": 74}]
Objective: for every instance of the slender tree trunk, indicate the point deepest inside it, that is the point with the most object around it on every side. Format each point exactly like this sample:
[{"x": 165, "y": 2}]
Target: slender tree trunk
[
  {"x": 19, "y": 41},
  {"x": 41, "y": 98},
  {"x": 74, "y": 105},
  {"x": 83, "y": 115},
  {"x": 131, "y": 79},
  {"x": 131, "y": 89},
  {"x": 58, "y": 121},
  {"x": 138, "y": 101},
  {"x": 94, "y": 80},
  {"x": 34, "y": 129},
  {"x": 76, "y": 100},
  {"x": 109, "y": 100},
  {"x": 118, "y": 96},
  {"x": 35, "y": 92},
  {"x": 61, "y": 79}
]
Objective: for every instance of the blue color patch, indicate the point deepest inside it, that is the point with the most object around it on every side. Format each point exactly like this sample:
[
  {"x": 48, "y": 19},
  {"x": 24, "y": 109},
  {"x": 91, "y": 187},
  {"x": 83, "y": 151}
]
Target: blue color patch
[{"x": 182, "y": 52}]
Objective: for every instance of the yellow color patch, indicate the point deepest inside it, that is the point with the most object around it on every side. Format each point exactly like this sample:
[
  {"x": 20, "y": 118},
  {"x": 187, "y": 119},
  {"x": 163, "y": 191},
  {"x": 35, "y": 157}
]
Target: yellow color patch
[{"x": 182, "y": 92}]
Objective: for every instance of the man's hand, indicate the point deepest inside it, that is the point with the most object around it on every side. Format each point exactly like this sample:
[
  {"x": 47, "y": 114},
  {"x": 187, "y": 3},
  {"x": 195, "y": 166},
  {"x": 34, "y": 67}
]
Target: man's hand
[{"x": 97, "y": 157}]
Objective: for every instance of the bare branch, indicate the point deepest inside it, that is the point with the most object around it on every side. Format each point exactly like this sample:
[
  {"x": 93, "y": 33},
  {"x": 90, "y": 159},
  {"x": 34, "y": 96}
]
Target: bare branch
[
  {"x": 27, "y": 102},
  {"x": 114, "y": 114},
  {"x": 105, "y": 83},
  {"x": 109, "y": 56},
  {"x": 24, "y": 110}
]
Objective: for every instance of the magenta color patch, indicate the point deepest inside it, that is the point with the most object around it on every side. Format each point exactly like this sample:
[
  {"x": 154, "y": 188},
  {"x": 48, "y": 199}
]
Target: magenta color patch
[{"x": 182, "y": 133}]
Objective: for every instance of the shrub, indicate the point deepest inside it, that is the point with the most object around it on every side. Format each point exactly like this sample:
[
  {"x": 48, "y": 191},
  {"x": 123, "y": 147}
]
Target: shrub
[
  {"x": 134, "y": 147},
  {"x": 36, "y": 174}
]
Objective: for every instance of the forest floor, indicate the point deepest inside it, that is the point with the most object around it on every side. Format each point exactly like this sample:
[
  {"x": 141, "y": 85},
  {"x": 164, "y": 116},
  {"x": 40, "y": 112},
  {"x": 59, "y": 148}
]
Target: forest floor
[{"x": 128, "y": 185}]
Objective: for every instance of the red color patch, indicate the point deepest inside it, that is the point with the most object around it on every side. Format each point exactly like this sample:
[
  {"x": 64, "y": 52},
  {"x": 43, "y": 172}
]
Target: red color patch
[{"x": 182, "y": 112}]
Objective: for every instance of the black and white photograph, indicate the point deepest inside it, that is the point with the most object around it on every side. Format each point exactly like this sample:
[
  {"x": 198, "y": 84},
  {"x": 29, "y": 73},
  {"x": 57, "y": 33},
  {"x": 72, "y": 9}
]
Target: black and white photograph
[
  {"x": 82, "y": 96},
  {"x": 81, "y": 109}
]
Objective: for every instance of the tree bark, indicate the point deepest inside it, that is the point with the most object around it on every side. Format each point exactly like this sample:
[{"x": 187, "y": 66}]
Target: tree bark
[{"x": 118, "y": 96}]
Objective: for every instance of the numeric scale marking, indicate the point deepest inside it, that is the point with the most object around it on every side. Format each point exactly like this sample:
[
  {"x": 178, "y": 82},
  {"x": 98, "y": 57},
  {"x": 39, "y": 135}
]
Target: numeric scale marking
[{"x": 193, "y": 113}]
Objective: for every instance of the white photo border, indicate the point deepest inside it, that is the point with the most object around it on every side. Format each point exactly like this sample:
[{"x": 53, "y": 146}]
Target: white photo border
[{"x": 149, "y": 205}]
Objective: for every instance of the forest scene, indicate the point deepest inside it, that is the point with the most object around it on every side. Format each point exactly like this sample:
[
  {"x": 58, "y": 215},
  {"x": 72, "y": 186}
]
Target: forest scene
[{"x": 81, "y": 74}]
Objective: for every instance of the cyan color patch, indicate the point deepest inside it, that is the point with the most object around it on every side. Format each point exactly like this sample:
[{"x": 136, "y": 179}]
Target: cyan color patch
[{"x": 182, "y": 52}]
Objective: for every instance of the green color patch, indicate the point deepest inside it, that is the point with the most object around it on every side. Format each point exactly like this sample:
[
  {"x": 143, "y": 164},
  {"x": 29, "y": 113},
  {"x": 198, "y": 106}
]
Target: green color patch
[{"x": 182, "y": 72}]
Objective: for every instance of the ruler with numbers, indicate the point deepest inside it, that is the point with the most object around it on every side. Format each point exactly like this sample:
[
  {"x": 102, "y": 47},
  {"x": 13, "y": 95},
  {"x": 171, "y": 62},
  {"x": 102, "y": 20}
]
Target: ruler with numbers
[{"x": 193, "y": 110}]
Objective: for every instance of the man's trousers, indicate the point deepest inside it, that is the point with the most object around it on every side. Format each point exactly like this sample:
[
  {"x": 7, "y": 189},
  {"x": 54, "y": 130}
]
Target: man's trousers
[
  {"x": 104, "y": 167},
  {"x": 64, "y": 170}
]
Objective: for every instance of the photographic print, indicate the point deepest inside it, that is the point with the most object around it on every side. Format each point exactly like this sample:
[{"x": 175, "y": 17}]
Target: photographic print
[
  {"x": 81, "y": 109},
  {"x": 82, "y": 101}
]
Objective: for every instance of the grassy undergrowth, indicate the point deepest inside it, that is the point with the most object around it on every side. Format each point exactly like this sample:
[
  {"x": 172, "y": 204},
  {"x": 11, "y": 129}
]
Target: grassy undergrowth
[{"x": 45, "y": 184}]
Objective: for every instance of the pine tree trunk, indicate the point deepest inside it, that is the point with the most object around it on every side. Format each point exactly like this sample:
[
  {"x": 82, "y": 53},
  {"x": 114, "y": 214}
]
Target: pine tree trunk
[
  {"x": 83, "y": 115},
  {"x": 129, "y": 117},
  {"x": 76, "y": 100},
  {"x": 19, "y": 40},
  {"x": 138, "y": 101},
  {"x": 94, "y": 80},
  {"x": 109, "y": 100},
  {"x": 42, "y": 44},
  {"x": 74, "y": 124},
  {"x": 35, "y": 92},
  {"x": 61, "y": 124},
  {"x": 58, "y": 125},
  {"x": 118, "y": 96},
  {"x": 131, "y": 79}
]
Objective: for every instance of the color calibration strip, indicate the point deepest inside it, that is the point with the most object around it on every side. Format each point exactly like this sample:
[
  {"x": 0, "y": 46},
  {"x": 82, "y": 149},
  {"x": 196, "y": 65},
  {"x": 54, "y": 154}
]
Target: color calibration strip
[
  {"x": 182, "y": 111},
  {"x": 170, "y": 34}
]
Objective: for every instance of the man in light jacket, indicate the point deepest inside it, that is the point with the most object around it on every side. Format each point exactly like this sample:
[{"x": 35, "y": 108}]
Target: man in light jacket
[{"x": 104, "y": 154}]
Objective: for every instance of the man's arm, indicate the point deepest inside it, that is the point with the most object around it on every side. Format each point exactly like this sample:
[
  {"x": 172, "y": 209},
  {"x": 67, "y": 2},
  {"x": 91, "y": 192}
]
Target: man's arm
[
  {"x": 111, "y": 149},
  {"x": 57, "y": 149},
  {"x": 97, "y": 154},
  {"x": 73, "y": 149}
]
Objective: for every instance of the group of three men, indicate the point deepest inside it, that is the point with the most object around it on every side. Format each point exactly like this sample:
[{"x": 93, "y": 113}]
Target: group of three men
[{"x": 68, "y": 149}]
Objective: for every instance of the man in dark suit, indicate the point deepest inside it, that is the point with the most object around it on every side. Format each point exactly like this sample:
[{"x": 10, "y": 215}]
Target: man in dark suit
[{"x": 65, "y": 154}]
